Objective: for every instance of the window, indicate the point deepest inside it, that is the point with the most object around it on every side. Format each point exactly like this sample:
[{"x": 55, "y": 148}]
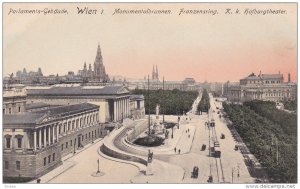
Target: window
[
  {"x": 3, "y": 110},
  {"x": 71, "y": 143},
  {"x": 6, "y": 164},
  {"x": 7, "y": 142},
  {"x": 62, "y": 147},
  {"x": 19, "y": 109},
  {"x": 82, "y": 137},
  {"x": 89, "y": 134},
  {"x": 49, "y": 158},
  {"x": 53, "y": 157},
  {"x": 18, "y": 165},
  {"x": 19, "y": 142},
  {"x": 45, "y": 161},
  {"x": 9, "y": 110},
  {"x": 66, "y": 144},
  {"x": 86, "y": 136}
]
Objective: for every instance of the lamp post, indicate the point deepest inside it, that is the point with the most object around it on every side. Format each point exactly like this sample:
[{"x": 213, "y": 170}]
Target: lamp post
[
  {"x": 74, "y": 146},
  {"x": 232, "y": 175},
  {"x": 163, "y": 99},
  {"x": 148, "y": 108},
  {"x": 98, "y": 171}
]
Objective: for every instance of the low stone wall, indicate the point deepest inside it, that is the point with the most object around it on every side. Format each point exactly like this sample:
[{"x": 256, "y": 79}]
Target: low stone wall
[
  {"x": 136, "y": 131},
  {"x": 104, "y": 149}
]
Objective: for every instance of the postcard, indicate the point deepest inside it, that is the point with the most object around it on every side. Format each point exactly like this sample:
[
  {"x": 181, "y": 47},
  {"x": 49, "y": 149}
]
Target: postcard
[{"x": 127, "y": 93}]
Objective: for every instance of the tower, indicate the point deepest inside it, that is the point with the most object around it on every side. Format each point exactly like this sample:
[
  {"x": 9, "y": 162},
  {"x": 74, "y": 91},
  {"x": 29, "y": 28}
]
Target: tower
[
  {"x": 99, "y": 69},
  {"x": 84, "y": 66},
  {"x": 153, "y": 73},
  {"x": 156, "y": 74}
]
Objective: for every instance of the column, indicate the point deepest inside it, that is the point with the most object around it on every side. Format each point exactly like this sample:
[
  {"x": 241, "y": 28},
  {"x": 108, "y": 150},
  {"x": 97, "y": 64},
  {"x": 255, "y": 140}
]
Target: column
[
  {"x": 34, "y": 140},
  {"x": 123, "y": 108},
  {"x": 45, "y": 140},
  {"x": 40, "y": 138},
  {"x": 53, "y": 133},
  {"x": 57, "y": 131},
  {"x": 128, "y": 106},
  {"x": 115, "y": 110},
  {"x": 28, "y": 140},
  {"x": 13, "y": 139}
]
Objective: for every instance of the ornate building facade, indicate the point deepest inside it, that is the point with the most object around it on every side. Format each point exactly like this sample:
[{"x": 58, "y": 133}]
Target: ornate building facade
[
  {"x": 269, "y": 87},
  {"x": 155, "y": 74},
  {"x": 99, "y": 73},
  {"x": 35, "y": 142}
]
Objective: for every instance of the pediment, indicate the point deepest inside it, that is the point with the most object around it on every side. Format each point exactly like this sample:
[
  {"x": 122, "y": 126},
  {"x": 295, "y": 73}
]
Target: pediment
[{"x": 123, "y": 90}]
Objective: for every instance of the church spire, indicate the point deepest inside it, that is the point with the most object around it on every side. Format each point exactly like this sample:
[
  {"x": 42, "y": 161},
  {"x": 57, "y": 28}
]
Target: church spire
[
  {"x": 156, "y": 74},
  {"x": 153, "y": 72},
  {"x": 98, "y": 59}
]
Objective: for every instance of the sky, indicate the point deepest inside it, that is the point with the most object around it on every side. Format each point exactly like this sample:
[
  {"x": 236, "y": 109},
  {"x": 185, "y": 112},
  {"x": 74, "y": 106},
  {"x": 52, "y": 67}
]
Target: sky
[{"x": 215, "y": 48}]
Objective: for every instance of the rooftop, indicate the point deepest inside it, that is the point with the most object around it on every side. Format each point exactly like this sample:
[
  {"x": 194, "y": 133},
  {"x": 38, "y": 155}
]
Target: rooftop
[
  {"x": 30, "y": 106},
  {"x": 25, "y": 119},
  {"x": 78, "y": 90},
  {"x": 252, "y": 76}
]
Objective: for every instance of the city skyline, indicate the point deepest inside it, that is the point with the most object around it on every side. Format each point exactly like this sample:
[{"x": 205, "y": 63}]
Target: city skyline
[{"x": 213, "y": 48}]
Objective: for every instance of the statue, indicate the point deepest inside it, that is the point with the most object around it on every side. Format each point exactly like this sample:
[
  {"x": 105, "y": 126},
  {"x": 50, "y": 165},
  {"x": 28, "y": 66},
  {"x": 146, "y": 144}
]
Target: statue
[
  {"x": 157, "y": 110},
  {"x": 149, "y": 163},
  {"x": 150, "y": 156}
]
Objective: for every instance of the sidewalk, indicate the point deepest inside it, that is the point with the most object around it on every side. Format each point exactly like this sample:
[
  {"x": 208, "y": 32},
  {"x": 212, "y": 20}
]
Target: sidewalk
[{"x": 67, "y": 163}]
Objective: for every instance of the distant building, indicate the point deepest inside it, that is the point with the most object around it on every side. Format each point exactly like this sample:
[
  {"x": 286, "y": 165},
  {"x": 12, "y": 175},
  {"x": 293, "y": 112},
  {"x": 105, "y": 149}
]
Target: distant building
[
  {"x": 34, "y": 143},
  {"x": 168, "y": 85},
  {"x": 98, "y": 74},
  {"x": 137, "y": 106},
  {"x": 14, "y": 99},
  {"x": 190, "y": 81},
  {"x": 113, "y": 100},
  {"x": 269, "y": 87},
  {"x": 155, "y": 76}
]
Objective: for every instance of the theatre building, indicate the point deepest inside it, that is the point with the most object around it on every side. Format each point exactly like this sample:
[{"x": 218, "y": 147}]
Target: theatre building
[{"x": 35, "y": 142}]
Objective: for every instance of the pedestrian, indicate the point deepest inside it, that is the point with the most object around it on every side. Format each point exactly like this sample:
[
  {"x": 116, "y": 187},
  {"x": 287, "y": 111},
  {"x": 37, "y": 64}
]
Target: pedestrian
[
  {"x": 189, "y": 136},
  {"x": 175, "y": 149},
  {"x": 188, "y": 130},
  {"x": 179, "y": 151}
]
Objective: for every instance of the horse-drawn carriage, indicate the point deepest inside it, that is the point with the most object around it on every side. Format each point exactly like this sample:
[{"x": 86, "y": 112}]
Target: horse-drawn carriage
[{"x": 195, "y": 172}]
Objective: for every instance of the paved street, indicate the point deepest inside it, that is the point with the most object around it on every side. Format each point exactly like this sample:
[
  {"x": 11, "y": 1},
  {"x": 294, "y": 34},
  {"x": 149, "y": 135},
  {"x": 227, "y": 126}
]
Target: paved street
[{"x": 168, "y": 165}]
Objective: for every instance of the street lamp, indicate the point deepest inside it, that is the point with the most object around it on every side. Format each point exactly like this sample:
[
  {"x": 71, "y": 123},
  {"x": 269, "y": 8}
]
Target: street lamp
[
  {"x": 232, "y": 174},
  {"x": 74, "y": 146},
  {"x": 98, "y": 171}
]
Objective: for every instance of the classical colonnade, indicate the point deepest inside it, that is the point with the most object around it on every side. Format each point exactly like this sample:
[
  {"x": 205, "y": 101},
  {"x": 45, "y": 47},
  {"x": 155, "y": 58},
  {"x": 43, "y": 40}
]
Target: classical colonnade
[
  {"x": 50, "y": 133},
  {"x": 121, "y": 106}
]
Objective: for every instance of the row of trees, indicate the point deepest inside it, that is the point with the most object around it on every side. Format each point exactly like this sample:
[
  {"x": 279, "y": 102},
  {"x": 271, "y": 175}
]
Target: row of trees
[
  {"x": 204, "y": 104},
  {"x": 290, "y": 105},
  {"x": 262, "y": 128},
  {"x": 172, "y": 102}
]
